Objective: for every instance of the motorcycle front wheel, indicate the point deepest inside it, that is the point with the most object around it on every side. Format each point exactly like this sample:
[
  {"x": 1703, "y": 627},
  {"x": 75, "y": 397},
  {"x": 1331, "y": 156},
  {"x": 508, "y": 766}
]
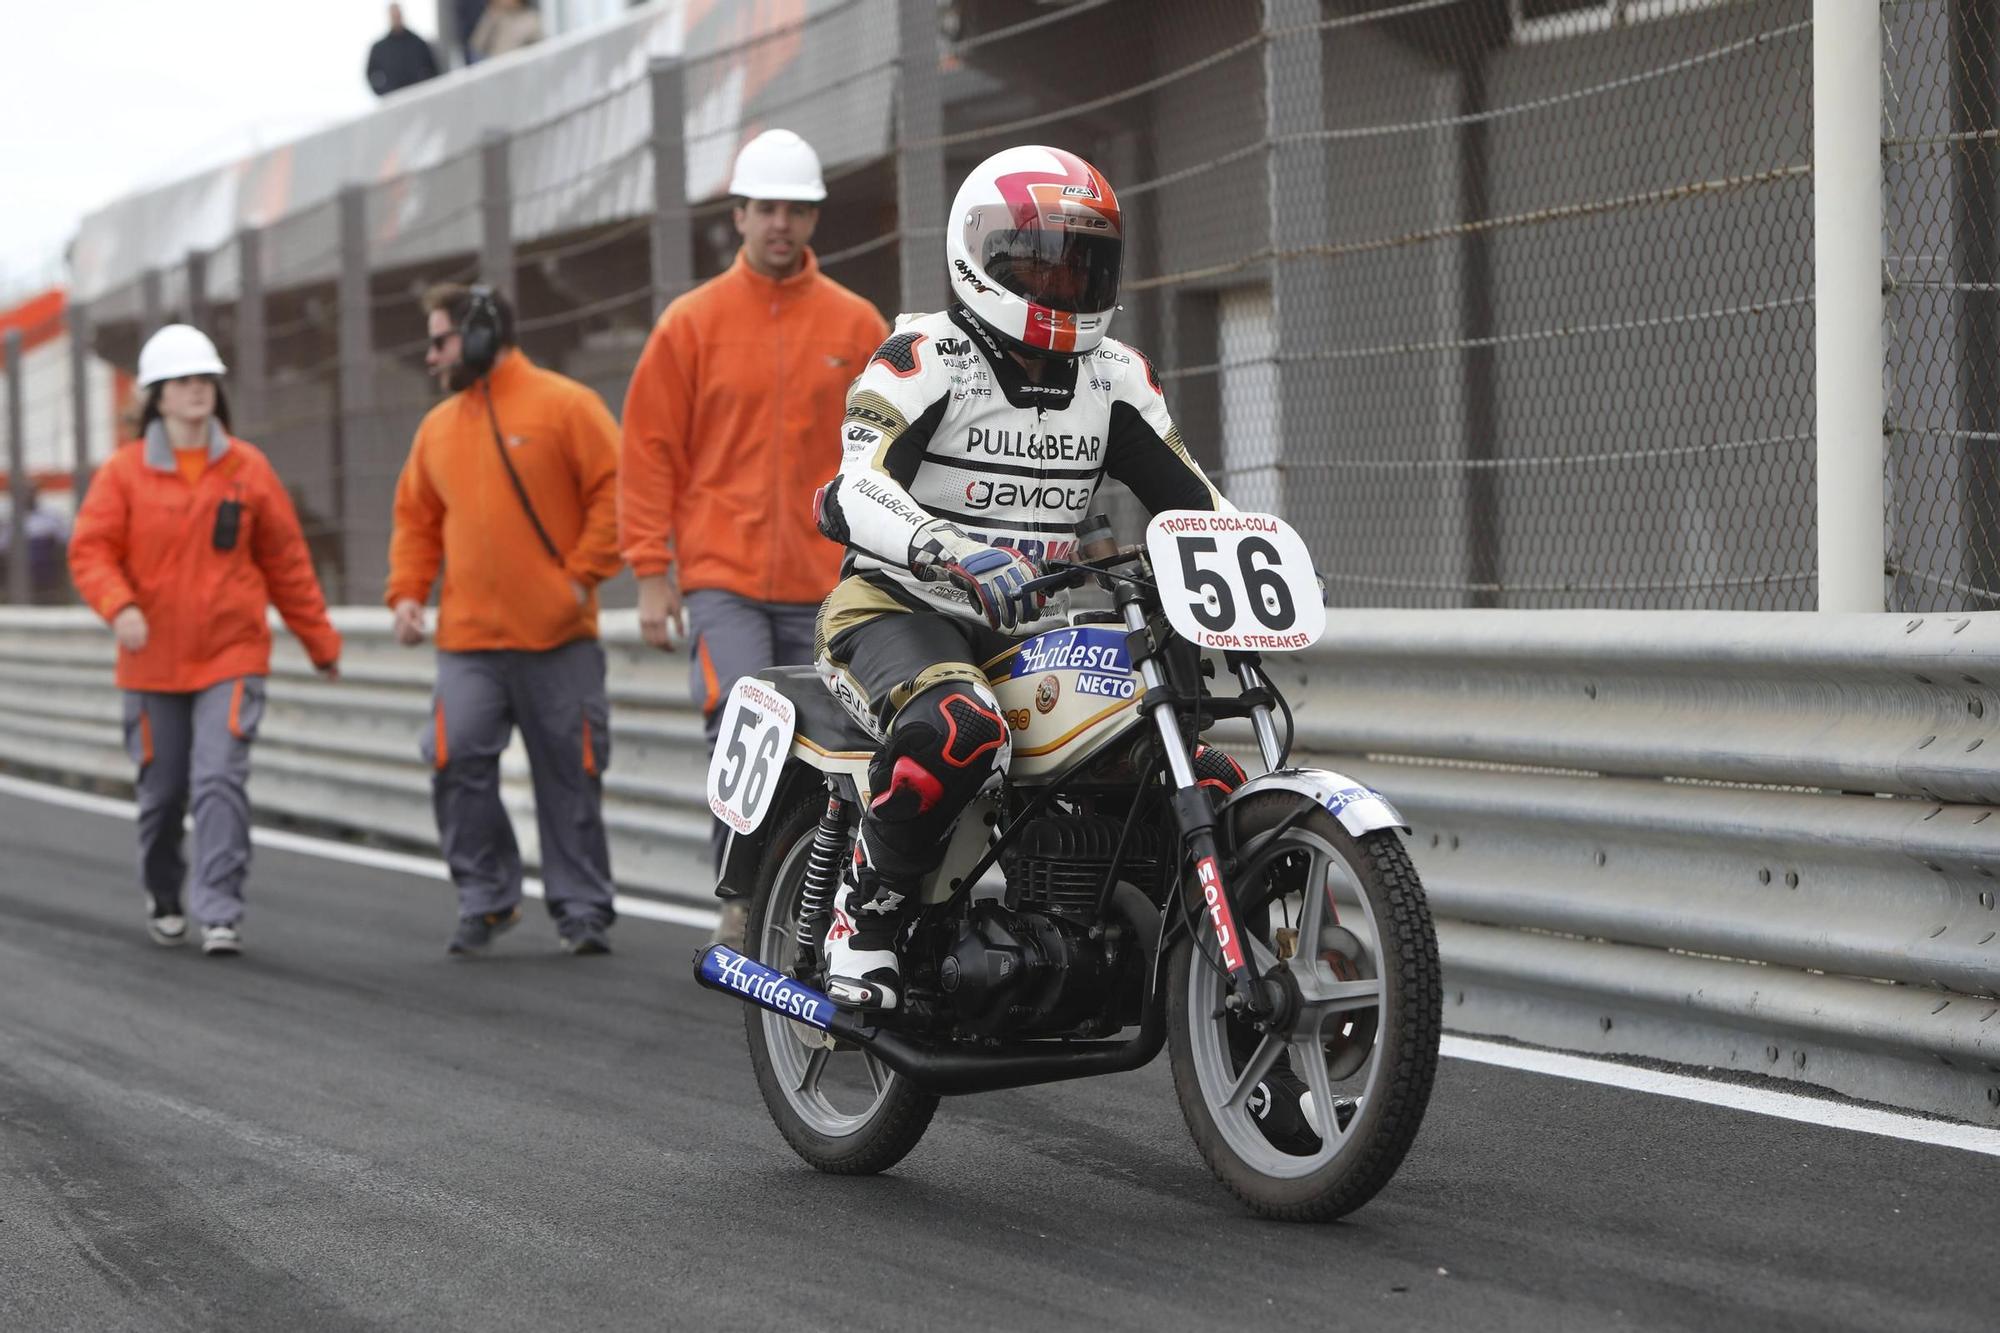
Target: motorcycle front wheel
[
  {"x": 1307, "y": 1121},
  {"x": 840, "y": 1108}
]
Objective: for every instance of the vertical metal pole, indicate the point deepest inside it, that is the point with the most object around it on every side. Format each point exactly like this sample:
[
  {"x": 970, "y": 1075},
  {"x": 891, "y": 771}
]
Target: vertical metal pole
[
  {"x": 357, "y": 381},
  {"x": 81, "y": 467},
  {"x": 450, "y": 41},
  {"x": 1302, "y": 300},
  {"x": 673, "y": 236},
  {"x": 197, "y": 291},
  {"x": 152, "y": 304},
  {"x": 496, "y": 214},
  {"x": 249, "y": 377},
  {"x": 18, "y": 591},
  {"x": 1847, "y": 282},
  {"x": 1975, "y": 250},
  {"x": 1478, "y": 321},
  {"x": 920, "y": 195}
]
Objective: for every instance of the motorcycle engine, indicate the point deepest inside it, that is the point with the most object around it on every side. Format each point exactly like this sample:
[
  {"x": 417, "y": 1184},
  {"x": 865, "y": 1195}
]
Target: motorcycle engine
[{"x": 1038, "y": 963}]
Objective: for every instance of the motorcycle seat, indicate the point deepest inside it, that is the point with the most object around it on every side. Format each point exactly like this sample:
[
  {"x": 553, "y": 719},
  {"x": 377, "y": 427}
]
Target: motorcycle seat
[{"x": 822, "y": 721}]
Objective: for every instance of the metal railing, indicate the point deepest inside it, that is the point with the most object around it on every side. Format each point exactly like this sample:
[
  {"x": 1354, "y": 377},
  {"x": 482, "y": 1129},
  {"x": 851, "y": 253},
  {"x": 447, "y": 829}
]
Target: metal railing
[{"x": 1762, "y": 842}]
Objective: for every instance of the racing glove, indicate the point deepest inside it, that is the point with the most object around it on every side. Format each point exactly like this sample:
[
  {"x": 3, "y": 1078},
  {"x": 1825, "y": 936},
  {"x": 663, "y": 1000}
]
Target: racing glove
[{"x": 995, "y": 578}]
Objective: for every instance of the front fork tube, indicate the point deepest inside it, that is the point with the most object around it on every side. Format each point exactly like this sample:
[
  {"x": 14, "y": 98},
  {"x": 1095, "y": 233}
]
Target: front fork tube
[
  {"x": 1196, "y": 815},
  {"x": 1250, "y": 676}
]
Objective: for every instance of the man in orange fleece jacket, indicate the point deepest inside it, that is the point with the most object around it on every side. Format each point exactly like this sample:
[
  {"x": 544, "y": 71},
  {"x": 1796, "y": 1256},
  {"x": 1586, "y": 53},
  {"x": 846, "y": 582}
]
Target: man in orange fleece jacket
[
  {"x": 511, "y": 484},
  {"x": 731, "y": 423}
]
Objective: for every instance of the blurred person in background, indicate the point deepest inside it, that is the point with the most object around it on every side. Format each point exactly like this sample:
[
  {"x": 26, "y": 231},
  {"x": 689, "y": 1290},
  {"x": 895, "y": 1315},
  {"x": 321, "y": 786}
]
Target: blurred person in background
[
  {"x": 48, "y": 540},
  {"x": 467, "y": 13},
  {"x": 731, "y": 422},
  {"x": 46, "y": 537},
  {"x": 184, "y": 542},
  {"x": 511, "y": 487},
  {"x": 507, "y": 25},
  {"x": 400, "y": 59}
]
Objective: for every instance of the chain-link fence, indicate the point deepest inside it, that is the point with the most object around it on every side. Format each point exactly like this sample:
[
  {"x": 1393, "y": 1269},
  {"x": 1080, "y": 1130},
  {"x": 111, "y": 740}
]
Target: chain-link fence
[{"x": 1501, "y": 302}]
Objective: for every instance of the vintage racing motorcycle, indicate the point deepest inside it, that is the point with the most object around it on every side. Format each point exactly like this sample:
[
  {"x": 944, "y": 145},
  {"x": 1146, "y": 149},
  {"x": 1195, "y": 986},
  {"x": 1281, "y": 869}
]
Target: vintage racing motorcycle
[{"x": 1269, "y": 931}]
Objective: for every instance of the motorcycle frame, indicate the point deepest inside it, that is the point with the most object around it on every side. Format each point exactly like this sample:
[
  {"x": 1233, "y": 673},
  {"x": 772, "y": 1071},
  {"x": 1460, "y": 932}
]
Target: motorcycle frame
[{"x": 1207, "y": 844}]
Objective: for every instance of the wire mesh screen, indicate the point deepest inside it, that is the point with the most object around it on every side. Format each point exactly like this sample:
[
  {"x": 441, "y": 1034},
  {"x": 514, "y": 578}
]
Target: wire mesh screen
[
  {"x": 1501, "y": 302},
  {"x": 1942, "y": 302}
]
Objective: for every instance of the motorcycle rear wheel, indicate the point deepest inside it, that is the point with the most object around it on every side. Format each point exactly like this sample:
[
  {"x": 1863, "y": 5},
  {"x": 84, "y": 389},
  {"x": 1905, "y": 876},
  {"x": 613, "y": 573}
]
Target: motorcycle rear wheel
[
  {"x": 840, "y": 1109},
  {"x": 1345, "y": 921}
]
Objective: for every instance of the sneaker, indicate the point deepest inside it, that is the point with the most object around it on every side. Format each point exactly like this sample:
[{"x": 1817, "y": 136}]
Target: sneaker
[
  {"x": 584, "y": 937},
  {"x": 165, "y": 925},
  {"x": 732, "y": 925},
  {"x": 861, "y": 967},
  {"x": 474, "y": 933},
  {"x": 222, "y": 941}
]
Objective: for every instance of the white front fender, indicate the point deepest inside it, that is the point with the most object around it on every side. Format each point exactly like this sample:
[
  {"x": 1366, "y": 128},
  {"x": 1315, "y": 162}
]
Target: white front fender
[{"x": 1359, "y": 809}]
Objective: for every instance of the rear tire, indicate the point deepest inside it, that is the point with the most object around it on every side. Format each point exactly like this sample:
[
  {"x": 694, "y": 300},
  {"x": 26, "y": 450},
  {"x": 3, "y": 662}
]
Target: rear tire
[
  {"x": 1370, "y": 1016},
  {"x": 841, "y": 1109}
]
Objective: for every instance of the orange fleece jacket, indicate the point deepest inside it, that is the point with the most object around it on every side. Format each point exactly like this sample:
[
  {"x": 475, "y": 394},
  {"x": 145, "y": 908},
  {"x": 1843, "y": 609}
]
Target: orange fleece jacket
[
  {"x": 146, "y": 538},
  {"x": 732, "y": 422},
  {"x": 456, "y": 506}
]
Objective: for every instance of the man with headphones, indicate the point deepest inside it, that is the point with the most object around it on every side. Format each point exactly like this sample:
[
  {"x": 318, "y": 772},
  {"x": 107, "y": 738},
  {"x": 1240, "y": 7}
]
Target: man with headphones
[{"x": 512, "y": 488}]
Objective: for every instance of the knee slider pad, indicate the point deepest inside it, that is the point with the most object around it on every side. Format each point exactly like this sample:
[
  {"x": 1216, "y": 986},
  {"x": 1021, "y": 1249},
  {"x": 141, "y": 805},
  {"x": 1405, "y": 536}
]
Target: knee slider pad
[{"x": 943, "y": 746}]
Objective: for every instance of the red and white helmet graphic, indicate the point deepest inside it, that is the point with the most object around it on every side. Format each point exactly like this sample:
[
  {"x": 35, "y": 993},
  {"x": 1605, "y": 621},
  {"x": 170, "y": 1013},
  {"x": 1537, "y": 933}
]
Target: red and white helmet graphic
[{"x": 1033, "y": 245}]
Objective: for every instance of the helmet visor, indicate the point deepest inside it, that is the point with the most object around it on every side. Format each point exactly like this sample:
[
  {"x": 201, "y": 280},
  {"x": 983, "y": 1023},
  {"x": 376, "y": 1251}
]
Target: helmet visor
[{"x": 1063, "y": 270}]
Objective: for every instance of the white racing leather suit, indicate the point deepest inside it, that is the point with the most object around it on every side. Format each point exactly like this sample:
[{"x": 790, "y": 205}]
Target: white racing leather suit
[{"x": 944, "y": 424}]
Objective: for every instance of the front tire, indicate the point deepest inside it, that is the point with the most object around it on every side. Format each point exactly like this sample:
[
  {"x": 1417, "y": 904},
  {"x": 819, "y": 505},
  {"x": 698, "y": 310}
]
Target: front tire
[
  {"x": 1362, "y": 970},
  {"x": 840, "y": 1108}
]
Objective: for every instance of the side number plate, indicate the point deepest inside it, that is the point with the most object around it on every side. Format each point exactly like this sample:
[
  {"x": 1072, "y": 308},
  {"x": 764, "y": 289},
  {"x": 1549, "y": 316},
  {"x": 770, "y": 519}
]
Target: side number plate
[{"x": 756, "y": 737}]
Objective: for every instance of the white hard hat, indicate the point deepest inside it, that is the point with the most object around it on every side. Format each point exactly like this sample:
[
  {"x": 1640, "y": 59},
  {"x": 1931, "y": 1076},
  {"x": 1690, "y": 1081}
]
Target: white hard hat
[
  {"x": 175, "y": 351},
  {"x": 778, "y": 164}
]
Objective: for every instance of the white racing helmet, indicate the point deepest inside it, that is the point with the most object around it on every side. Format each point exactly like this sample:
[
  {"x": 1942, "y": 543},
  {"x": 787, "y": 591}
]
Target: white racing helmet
[
  {"x": 778, "y": 164},
  {"x": 175, "y": 352},
  {"x": 1033, "y": 247}
]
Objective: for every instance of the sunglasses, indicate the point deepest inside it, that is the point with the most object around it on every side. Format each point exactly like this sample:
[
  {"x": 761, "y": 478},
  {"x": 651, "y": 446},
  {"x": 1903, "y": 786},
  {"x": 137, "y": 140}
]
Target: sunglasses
[{"x": 438, "y": 340}]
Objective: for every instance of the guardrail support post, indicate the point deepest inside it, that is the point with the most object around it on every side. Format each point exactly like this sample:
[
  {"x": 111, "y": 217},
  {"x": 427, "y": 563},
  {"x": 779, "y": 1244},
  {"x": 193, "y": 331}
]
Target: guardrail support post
[
  {"x": 1847, "y": 321},
  {"x": 18, "y": 590},
  {"x": 248, "y": 378},
  {"x": 496, "y": 216},
  {"x": 920, "y": 195},
  {"x": 673, "y": 236},
  {"x": 357, "y": 380},
  {"x": 77, "y": 319}
]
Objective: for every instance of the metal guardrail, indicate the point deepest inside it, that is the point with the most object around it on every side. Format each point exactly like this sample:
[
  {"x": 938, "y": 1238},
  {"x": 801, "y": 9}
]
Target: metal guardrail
[
  {"x": 346, "y": 755},
  {"x": 1762, "y": 842}
]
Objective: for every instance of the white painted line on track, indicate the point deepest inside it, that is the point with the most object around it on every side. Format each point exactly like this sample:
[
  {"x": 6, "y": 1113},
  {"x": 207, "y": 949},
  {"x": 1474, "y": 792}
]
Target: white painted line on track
[
  {"x": 1556, "y": 1064},
  {"x": 374, "y": 858},
  {"x": 1736, "y": 1096}
]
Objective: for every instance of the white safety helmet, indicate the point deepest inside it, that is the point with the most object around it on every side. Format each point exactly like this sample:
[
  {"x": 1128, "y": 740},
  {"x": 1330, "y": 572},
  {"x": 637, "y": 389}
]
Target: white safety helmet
[
  {"x": 1033, "y": 247},
  {"x": 175, "y": 351},
  {"x": 778, "y": 164}
]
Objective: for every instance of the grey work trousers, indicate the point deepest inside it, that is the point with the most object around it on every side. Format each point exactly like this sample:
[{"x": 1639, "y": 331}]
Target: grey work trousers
[
  {"x": 195, "y": 747},
  {"x": 732, "y": 637},
  {"x": 557, "y": 698}
]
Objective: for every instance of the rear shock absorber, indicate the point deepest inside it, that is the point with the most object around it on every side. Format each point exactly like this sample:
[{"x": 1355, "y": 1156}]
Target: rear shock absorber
[{"x": 822, "y": 877}]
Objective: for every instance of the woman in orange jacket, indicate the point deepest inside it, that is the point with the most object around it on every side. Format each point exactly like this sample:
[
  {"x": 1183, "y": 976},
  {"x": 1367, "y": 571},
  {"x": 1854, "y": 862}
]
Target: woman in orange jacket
[{"x": 184, "y": 541}]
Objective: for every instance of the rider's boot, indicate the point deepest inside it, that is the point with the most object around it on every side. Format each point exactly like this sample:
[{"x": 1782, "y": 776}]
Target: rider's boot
[{"x": 869, "y": 910}]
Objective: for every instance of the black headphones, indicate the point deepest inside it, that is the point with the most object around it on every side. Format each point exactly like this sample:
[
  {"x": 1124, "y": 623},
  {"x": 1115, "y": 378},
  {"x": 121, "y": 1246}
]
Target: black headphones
[{"x": 479, "y": 332}]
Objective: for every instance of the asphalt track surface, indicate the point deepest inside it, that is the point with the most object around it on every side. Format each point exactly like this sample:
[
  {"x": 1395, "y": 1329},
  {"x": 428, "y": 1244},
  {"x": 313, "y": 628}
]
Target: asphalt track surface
[{"x": 346, "y": 1129}]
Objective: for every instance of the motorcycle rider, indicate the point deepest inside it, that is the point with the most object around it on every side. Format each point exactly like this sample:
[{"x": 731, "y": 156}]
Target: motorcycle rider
[{"x": 973, "y": 442}]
